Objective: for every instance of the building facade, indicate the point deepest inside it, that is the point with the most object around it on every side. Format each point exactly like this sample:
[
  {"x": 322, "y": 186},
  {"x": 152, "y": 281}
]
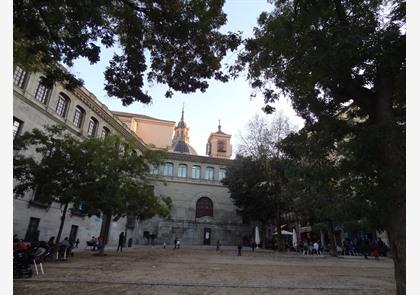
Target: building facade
[{"x": 202, "y": 211}]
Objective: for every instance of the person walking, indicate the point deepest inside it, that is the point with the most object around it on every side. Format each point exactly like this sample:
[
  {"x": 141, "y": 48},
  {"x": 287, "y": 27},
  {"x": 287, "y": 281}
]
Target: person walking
[
  {"x": 218, "y": 245},
  {"x": 121, "y": 239}
]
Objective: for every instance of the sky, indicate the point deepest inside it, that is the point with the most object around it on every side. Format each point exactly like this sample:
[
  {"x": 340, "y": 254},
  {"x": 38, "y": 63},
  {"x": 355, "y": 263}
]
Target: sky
[{"x": 230, "y": 102}]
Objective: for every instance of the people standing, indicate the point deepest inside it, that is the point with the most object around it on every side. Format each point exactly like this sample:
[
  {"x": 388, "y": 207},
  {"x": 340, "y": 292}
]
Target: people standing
[
  {"x": 240, "y": 248},
  {"x": 316, "y": 248},
  {"x": 253, "y": 245},
  {"x": 178, "y": 244},
  {"x": 218, "y": 245},
  {"x": 120, "y": 241},
  {"x": 175, "y": 242}
]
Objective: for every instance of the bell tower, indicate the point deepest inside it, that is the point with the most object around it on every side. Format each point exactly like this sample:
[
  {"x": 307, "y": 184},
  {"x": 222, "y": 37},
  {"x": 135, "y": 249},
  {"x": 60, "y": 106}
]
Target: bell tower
[
  {"x": 181, "y": 130},
  {"x": 218, "y": 144}
]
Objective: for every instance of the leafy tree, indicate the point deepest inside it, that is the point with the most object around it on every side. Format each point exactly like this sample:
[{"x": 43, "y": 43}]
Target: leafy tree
[
  {"x": 106, "y": 175},
  {"x": 331, "y": 56},
  {"x": 180, "y": 38},
  {"x": 317, "y": 179},
  {"x": 115, "y": 182},
  {"x": 44, "y": 162}
]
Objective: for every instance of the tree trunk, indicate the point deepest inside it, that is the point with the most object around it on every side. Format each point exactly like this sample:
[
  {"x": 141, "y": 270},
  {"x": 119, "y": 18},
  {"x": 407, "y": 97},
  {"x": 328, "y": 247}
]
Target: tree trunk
[
  {"x": 391, "y": 176},
  {"x": 396, "y": 237},
  {"x": 106, "y": 224},
  {"x": 333, "y": 242},
  {"x": 63, "y": 218},
  {"x": 264, "y": 236}
]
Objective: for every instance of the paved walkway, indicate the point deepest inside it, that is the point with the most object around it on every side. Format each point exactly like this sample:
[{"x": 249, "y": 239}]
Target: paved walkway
[{"x": 202, "y": 270}]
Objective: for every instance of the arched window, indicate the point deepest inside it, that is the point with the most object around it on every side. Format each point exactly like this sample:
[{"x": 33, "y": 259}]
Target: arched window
[
  {"x": 168, "y": 169},
  {"x": 79, "y": 115},
  {"x": 196, "y": 172},
  {"x": 20, "y": 77},
  {"x": 62, "y": 104},
  {"x": 154, "y": 169},
  {"x": 93, "y": 126},
  {"x": 182, "y": 170},
  {"x": 42, "y": 92},
  {"x": 210, "y": 173},
  {"x": 221, "y": 146},
  {"x": 204, "y": 207},
  {"x": 105, "y": 132},
  {"x": 222, "y": 173}
]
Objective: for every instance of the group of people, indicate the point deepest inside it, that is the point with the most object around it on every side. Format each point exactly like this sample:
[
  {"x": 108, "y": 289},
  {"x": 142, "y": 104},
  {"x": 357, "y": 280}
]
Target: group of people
[
  {"x": 355, "y": 247},
  {"x": 45, "y": 249},
  {"x": 311, "y": 248}
]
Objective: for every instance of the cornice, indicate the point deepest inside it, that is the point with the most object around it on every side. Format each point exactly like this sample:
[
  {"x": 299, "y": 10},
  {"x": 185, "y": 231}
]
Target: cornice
[{"x": 199, "y": 159}]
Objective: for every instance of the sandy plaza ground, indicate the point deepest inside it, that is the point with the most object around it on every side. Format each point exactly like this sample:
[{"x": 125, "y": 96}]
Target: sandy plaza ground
[{"x": 202, "y": 270}]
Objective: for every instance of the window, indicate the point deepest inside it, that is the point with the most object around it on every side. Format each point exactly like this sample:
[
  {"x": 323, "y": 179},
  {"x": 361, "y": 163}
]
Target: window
[
  {"x": 39, "y": 196},
  {"x": 222, "y": 173},
  {"x": 182, "y": 170},
  {"x": 62, "y": 104},
  {"x": 79, "y": 115},
  {"x": 154, "y": 169},
  {"x": 210, "y": 173},
  {"x": 17, "y": 127},
  {"x": 168, "y": 169},
  {"x": 221, "y": 146},
  {"x": 93, "y": 126},
  {"x": 105, "y": 132},
  {"x": 19, "y": 77},
  {"x": 131, "y": 221},
  {"x": 32, "y": 232},
  {"x": 196, "y": 172},
  {"x": 42, "y": 92},
  {"x": 204, "y": 207}
]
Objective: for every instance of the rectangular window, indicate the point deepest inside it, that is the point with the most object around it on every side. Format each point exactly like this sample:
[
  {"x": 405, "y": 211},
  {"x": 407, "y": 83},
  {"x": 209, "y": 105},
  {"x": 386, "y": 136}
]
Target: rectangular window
[
  {"x": 77, "y": 120},
  {"x": 42, "y": 93},
  {"x": 210, "y": 173},
  {"x": 17, "y": 127},
  {"x": 19, "y": 77},
  {"x": 195, "y": 172},
  {"x": 131, "y": 221},
  {"x": 32, "y": 231},
  {"x": 61, "y": 106}
]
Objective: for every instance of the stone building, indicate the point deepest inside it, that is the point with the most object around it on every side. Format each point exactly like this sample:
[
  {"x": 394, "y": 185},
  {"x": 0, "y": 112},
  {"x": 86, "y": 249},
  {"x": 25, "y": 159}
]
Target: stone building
[{"x": 202, "y": 211}]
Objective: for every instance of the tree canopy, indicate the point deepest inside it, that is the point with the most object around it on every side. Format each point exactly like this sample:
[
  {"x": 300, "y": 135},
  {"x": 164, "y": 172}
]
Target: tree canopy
[
  {"x": 104, "y": 177},
  {"x": 339, "y": 59},
  {"x": 173, "y": 42}
]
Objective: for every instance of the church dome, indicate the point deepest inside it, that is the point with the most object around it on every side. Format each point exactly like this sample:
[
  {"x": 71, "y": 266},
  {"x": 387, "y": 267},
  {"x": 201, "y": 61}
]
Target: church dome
[{"x": 181, "y": 146}]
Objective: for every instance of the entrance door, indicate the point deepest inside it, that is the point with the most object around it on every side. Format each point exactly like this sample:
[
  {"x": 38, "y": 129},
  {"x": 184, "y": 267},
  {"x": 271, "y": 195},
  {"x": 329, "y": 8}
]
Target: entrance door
[
  {"x": 73, "y": 233},
  {"x": 207, "y": 236},
  {"x": 32, "y": 230}
]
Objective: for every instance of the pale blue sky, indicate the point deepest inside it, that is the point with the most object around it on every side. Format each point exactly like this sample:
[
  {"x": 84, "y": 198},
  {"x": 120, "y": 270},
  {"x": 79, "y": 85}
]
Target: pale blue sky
[{"x": 228, "y": 102}]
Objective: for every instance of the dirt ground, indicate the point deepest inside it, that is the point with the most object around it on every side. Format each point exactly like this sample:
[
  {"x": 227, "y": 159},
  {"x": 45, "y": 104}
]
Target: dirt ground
[{"x": 188, "y": 271}]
